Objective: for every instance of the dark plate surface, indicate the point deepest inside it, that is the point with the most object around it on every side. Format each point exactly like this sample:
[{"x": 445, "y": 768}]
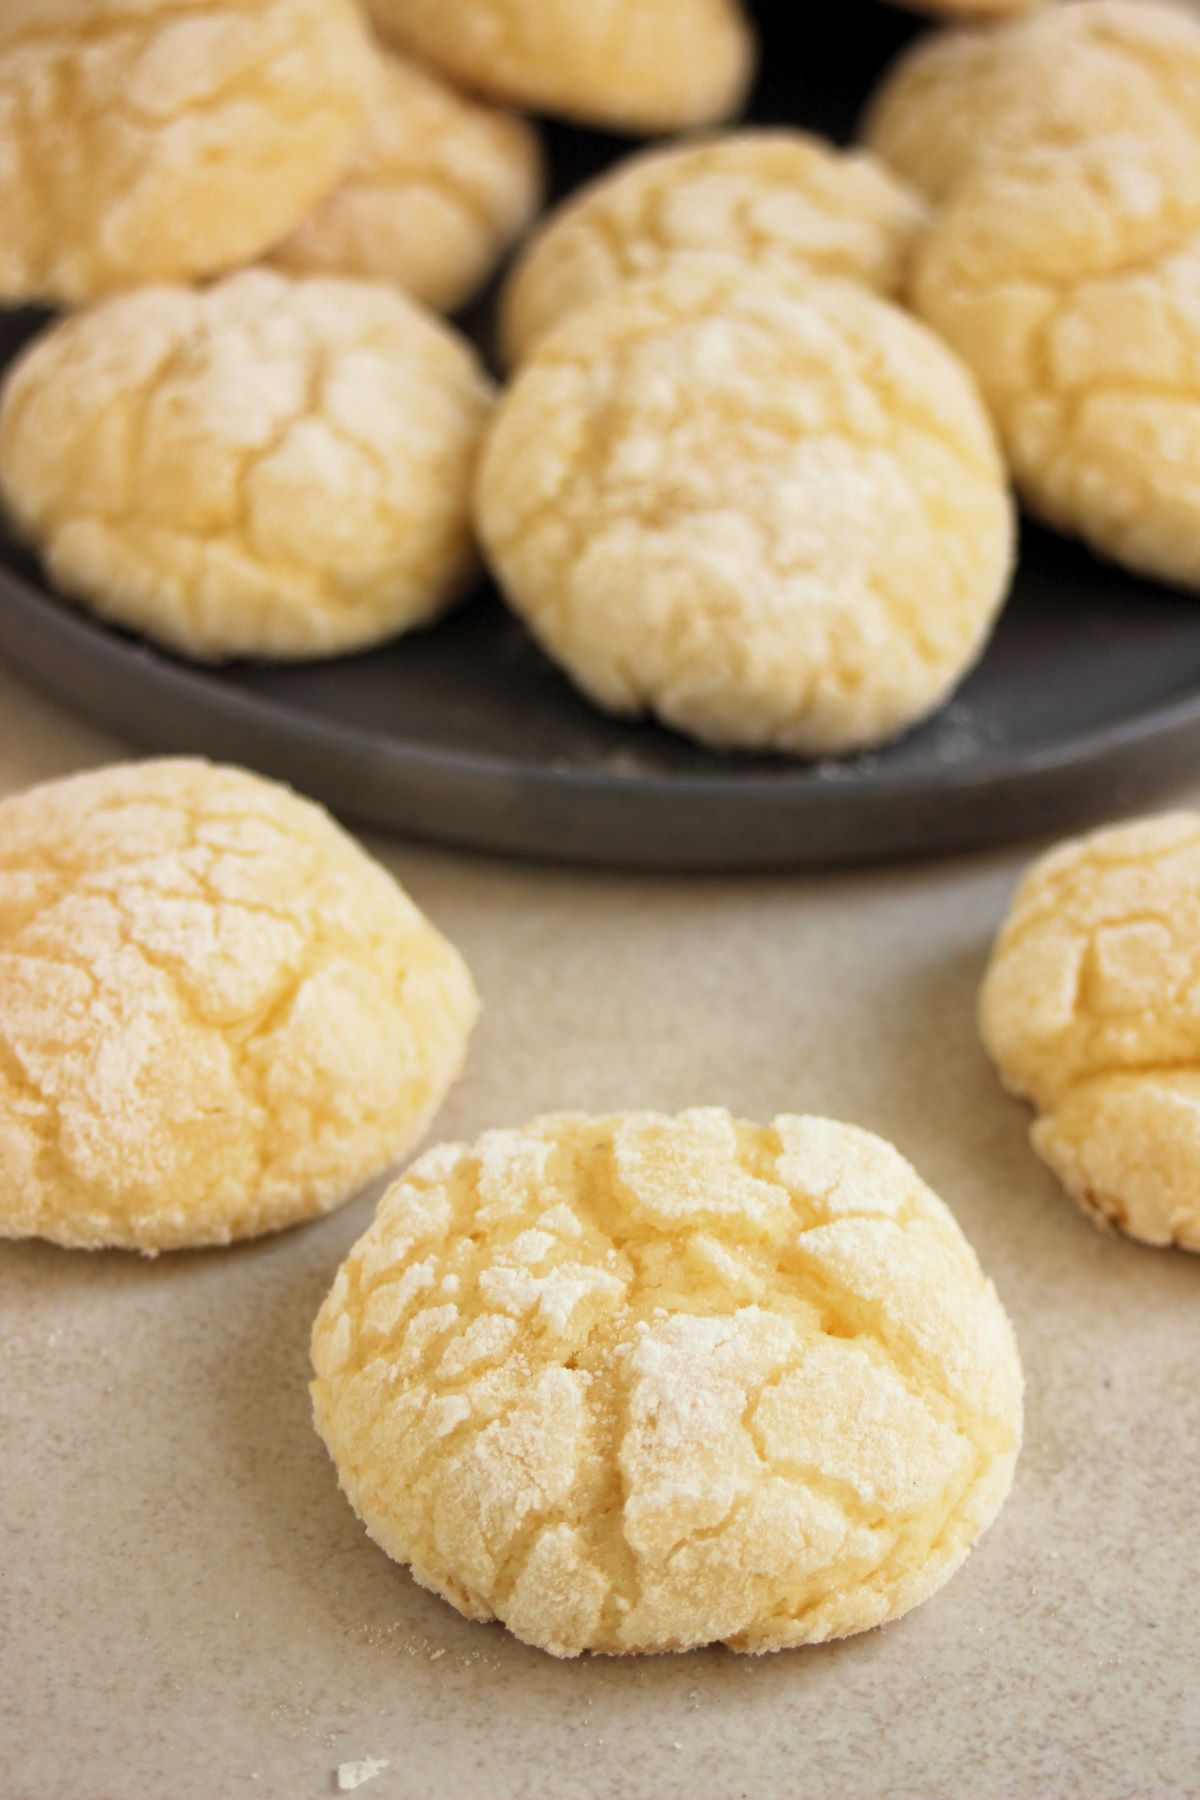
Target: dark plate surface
[{"x": 1087, "y": 701}]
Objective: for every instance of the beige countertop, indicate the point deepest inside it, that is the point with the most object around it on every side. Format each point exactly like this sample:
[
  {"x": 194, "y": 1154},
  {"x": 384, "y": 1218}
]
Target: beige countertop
[{"x": 189, "y": 1609}]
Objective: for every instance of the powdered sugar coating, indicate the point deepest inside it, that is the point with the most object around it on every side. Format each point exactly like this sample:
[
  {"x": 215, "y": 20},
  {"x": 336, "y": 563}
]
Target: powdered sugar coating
[
  {"x": 641, "y": 1383},
  {"x": 769, "y": 510},
  {"x": 959, "y": 99},
  {"x": 634, "y": 65},
  {"x": 777, "y": 198},
  {"x": 272, "y": 467},
  {"x": 439, "y": 188},
  {"x": 159, "y": 140},
  {"x": 1091, "y": 1010},
  {"x": 218, "y": 1016},
  {"x": 1070, "y": 282}
]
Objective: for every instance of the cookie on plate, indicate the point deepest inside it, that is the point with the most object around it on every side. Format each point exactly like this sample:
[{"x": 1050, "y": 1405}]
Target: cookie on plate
[
  {"x": 1089, "y": 1010},
  {"x": 778, "y": 199},
  {"x": 1059, "y": 79},
  {"x": 632, "y": 65},
  {"x": 439, "y": 188},
  {"x": 273, "y": 467},
  {"x": 642, "y": 1383},
  {"x": 160, "y": 141},
  {"x": 218, "y": 1015},
  {"x": 769, "y": 511}
]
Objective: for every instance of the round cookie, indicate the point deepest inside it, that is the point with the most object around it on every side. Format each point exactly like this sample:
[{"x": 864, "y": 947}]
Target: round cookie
[
  {"x": 775, "y": 198},
  {"x": 770, "y": 512},
  {"x": 218, "y": 1016},
  {"x": 1059, "y": 79},
  {"x": 1090, "y": 1010},
  {"x": 643, "y": 1383},
  {"x": 438, "y": 191},
  {"x": 272, "y": 468},
  {"x": 1070, "y": 282},
  {"x": 632, "y": 65},
  {"x": 153, "y": 140}
]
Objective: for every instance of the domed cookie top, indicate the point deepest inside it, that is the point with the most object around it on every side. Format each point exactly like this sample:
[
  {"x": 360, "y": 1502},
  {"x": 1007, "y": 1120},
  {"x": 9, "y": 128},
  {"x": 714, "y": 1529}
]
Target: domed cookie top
[
  {"x": 634, "y": 65},
  {"x": 1060, "y": 79},
  {"x": 771, "y": 512},
  {"x": 774, "y": 198},
  {"x": 641, "y": 1383},
  {"x": 152, "y": 140},
  {"x": 439, "y": 187},
  {"x": 1069, "y": 280},
  {"x": 1091, "y": 1010},
  {"x": 271, "y": 467},
  {"x": 218, "y": 1016}
]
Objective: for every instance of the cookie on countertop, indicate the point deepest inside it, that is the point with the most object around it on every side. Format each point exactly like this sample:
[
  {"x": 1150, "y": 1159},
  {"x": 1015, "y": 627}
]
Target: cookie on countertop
[
  {"x": 439, "y": 189},
  {"x": 776, "y": 198},
  {"x": 642, "y": 1383},
  {"x": 1090, "y": 1010},
  {"x": 771, "y": 512},
  {"x": 273, "y": 467},
  {"x": 152, "y": 140},
  {"x": 632, "y": 65},
  {"x": 218, "y": 1015}
]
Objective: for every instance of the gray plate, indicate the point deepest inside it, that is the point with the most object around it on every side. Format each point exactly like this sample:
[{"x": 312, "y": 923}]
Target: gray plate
[{"x": 1087, "y": 701}]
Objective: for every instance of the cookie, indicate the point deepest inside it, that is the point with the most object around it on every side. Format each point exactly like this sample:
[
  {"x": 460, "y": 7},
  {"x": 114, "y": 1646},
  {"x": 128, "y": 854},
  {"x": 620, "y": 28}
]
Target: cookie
[
  {"x": 438, "y": 191},
  {"x": 151, "y": 140},
  {"x": 1070, "y": 282},
  {"x": 632, "y": 65},
  {"x": 218, "y": 1016},
  {"x": 1088, "y": 1010},
  {"x": 1058, "y": 79},
  {"x": 774, "y": 198},
  {"x": 642, "y": 1383},
  {"x": 769, "y": 512},
  {"x": 274, "y": 468}
]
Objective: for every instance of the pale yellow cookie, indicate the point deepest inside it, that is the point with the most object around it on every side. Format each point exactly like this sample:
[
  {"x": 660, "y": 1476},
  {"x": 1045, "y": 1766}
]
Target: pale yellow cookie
[
  {"x": 159, "y": 140},
  {"x": 769, "y": 511},
  {"x": 634, "y": 65},
  {"x": 642, "y": 1383},
  {"x": 274, "y": 468},
  {"x": 218, "y": 1016},
  {"x": 438, "y": 191},
  {"x": 1060, "y": 79},
  {"x": 1091, "y": 1010},
  {"x": 1070, "y": 282},
  {"x": 778, "y": 199}
]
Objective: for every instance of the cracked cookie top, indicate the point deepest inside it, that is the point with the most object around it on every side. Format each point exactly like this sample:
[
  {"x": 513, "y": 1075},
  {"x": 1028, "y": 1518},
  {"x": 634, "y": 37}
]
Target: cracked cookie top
[
  {"x": 634, "y": 65},
  {"x": 768, "y": 509},
  {"x": 1091, "y": 1010},
  {"x": 218, "y": 1016},
  {"x": 1069, "y": 281},
  {"x": 272, "y": 467},
  {"x": 958, "y": 99},
  {"x": 439, "y": 188},
  {"x": 776, "y": 198},
  {"x": 161, "y": 140},
  {"x": 640, "y": 1383}
]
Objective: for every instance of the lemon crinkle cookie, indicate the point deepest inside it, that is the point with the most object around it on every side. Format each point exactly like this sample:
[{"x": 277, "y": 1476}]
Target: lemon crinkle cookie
[
  {"x": 634, "y": 65},
  {"x": 1089, "y": 1010},
  {"x": 642, "y": 1383},
  {"x": 218, "y": 1016},
  {"x": 1057, "y": 80},
  {"x": 769, "y": 511},
  {"x": 439, "y": 188},
  {"x": 776, "y": 198},
  {"x": 1070, "y": 282},
  {"x": 154, "y": 140},
  {"x": 272, "y": 467}
]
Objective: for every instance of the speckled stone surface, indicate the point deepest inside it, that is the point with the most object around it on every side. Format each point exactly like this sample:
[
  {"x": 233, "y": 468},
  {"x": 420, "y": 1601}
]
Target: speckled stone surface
[{"x": 189, "y": 1609}]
